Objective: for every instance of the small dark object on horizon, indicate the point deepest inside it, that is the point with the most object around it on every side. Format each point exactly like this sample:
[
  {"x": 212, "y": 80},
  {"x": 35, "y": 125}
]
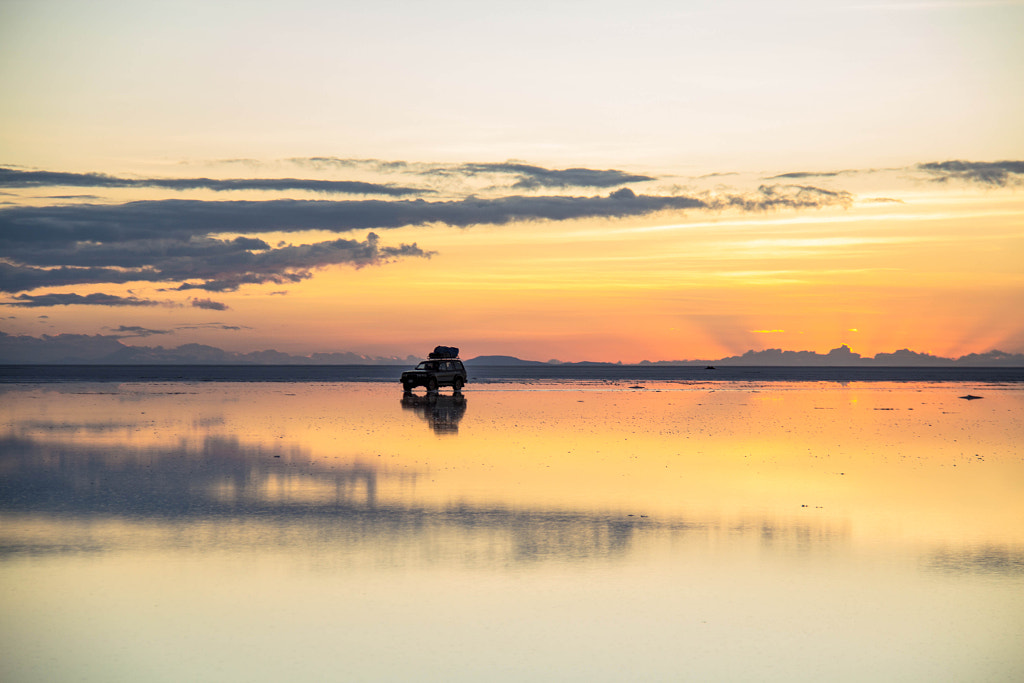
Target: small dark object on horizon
[
  {"x": 970, "y": 397},
  {"x": 710, "y": 367}
]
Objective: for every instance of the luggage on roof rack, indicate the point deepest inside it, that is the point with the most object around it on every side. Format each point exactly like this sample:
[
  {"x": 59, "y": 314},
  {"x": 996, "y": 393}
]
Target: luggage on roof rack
[{"x": 445, "y": 352}]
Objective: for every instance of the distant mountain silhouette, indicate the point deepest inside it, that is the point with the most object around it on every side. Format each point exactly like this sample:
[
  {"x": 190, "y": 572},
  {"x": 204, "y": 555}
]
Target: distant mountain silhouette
[
  {"x": 83, "y": 349},
  {"x": 502, "y": 360},
  {"x": 842, "y": 356}
]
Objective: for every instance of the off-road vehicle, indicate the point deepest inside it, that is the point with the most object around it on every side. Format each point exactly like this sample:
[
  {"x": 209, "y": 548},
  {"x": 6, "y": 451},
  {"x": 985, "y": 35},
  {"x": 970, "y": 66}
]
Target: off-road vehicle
[{"x": 441, "y": 369}]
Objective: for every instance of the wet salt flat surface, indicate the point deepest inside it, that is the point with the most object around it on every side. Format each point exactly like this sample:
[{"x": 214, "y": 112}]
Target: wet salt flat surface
[{"x": 555, "y": 530}]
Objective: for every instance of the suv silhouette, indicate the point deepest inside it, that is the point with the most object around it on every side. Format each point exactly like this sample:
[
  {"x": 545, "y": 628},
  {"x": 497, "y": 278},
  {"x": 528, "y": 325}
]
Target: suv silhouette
[{"x": 442, "y": 369}]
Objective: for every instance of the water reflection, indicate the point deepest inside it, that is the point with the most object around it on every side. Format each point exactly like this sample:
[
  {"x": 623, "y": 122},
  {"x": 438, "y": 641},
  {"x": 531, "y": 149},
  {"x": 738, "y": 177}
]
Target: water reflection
[
  {"x": 177, "y": 532},
  {"x": 978, "y": 559},
  {"x": 220, "y": 476},
  {"x": 231, "y": 483},
  {"x": 441, "y": 411}
]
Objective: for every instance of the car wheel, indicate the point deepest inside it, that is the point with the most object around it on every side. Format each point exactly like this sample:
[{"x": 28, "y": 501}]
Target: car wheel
[
  {"x": 407, "y": 386},
  {"x": 458, "y": 383}
]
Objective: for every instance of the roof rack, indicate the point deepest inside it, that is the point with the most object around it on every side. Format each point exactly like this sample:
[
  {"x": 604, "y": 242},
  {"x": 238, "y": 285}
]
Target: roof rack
[{"x": 445, "y": 352}]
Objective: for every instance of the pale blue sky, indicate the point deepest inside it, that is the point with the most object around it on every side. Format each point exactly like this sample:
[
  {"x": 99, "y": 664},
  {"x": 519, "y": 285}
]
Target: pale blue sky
[{"x": 711, "y": 86}]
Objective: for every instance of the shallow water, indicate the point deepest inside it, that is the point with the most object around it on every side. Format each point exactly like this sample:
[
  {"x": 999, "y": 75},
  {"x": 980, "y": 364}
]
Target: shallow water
[{"x": 558, "y": 531}]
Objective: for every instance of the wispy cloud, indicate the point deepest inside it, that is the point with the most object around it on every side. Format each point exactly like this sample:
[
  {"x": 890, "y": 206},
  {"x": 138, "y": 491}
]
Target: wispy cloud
[
  {"x": 535, "y": 177},
  {"x": 799, "y": 175},
  {"x": 993, "y": 173},
  {"x": 213, "y": 326},
  {"x": 10, "y": 177},
  {"x": 126, "y": 331},
  {"x": 208, "y": 304},
  {"x": 768, "y": 197},
  {"x": 45, "y": 300},
  {"x": 524, "y": 176}
]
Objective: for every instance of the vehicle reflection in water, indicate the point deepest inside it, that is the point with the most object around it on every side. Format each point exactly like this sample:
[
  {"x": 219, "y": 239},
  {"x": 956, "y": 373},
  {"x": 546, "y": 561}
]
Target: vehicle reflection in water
[{"x": 441, "y": 411}]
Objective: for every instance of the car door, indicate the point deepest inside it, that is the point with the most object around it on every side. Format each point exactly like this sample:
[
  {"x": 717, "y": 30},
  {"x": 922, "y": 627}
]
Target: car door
[{"x": 446, "y": 372}]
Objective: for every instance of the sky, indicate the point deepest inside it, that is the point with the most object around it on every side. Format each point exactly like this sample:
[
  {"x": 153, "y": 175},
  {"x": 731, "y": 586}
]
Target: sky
[{"x": 571, "y": 180}]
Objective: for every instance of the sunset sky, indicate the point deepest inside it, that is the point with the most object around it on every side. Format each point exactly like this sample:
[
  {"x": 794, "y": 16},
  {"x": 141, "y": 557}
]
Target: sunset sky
[{"x": 575, "y": 180}]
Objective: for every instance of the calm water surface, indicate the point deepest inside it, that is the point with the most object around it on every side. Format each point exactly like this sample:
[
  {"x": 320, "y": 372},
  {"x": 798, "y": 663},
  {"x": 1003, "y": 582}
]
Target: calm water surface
[{"x": 560, "y": 530}]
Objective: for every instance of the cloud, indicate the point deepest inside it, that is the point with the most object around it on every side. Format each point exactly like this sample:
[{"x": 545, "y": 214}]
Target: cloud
[
  {"x": 213, "y": 326},
  {"x": 799, "y": 175},
  {"x": 170, "y": 241},
  {"x": 717, "y": 175},
  {"x": 43, "y": 300},
  {"x": 10, "y": 177},
  {"x": 79, "y": 197},
  {"x": 769, "y": 197},
  {"x": 209, "y": 304},
  {"x": 995, "y": 173},
  {"x": 381, "y": 165},
  {"x": 193, "y": 263},
  {"x": 534, "y": 177},
  {"x": 125, "y": 331},
  {"x": 176, "y": 242},
  {"x": 527, "y": 176},
  {"x": 177, "y": 220},
  {"x": 167, "y": 240}
]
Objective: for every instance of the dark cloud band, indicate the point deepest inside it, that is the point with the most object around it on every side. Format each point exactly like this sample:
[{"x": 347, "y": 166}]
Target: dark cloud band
[
  {"x": 47, "y": 300},
  {"x": 10, "y": 177},
  {"x": 178, "y": 219}
]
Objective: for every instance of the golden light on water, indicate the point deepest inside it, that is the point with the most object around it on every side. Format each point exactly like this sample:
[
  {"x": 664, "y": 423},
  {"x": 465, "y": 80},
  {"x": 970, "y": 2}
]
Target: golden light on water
[
  {"x": 768, "y": 530},
  {"x": 859, "y": 453}
]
